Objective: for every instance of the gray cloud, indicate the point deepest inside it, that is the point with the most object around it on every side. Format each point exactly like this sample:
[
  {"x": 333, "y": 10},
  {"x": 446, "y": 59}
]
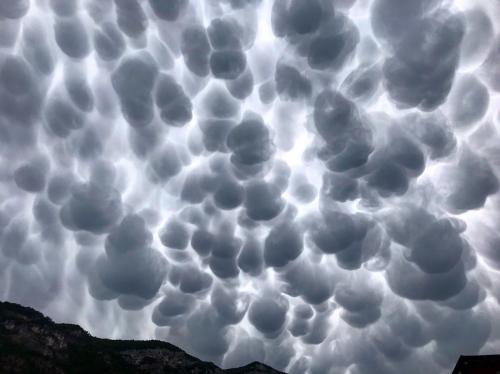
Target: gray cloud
[{"x": 309, "y": 184}]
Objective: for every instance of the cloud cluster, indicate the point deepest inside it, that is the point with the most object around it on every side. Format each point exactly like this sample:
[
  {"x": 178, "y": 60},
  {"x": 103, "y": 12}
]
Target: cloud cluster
[{"x": 313, "y": 184}]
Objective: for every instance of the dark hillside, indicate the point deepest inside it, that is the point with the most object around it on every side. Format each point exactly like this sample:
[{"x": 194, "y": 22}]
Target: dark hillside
[{"x": 33, "y": 343}]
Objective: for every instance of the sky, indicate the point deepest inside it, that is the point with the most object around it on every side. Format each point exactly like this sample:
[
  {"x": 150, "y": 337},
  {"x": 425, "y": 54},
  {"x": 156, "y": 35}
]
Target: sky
[{"x": 312, "y": 184}]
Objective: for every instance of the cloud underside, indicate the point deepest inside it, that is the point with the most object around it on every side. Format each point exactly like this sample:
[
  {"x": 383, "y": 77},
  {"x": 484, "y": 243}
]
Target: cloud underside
[{"x": 312, "y": 184}]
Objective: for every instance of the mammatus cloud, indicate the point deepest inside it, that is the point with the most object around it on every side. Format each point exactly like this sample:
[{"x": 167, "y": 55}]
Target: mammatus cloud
[{"x": 312, "y": 184}]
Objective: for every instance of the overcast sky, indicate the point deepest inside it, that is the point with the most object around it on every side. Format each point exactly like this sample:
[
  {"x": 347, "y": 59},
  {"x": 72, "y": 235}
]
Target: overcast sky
[{"x": 312, "y": 184}]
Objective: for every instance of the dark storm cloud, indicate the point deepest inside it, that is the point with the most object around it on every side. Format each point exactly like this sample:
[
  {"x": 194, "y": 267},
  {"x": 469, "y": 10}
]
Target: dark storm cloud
[
  {"x": 59, "y": 188},
  {"x": 230, "y": 306},
  {"x": 196, "y": 49},
  {"x": 360, "y": 303},
  {"x": 348, "y": 139},
  {"x": 145, "y": 140},
  {"x": 169, "y": 12},
  {"x": 192, "y": 189},
  {"x": 130, "y": 17},
  {"x": 426, "y": 51},
  {"x": 311, "y": 184},
  {"x": 61, "y": 117},
  {"x": 250, "y": 142},
  {"x": 326, "y": 37},
  {"x": 31, "y": 176},
  {"x": 433, "y": 130},
  {"x": 64, "y": 8},
  {"x": 109, "y": 42},
  {"x": 193, "y": 280},
  {"x": 224, "y": 34},
  {"x": 44, "y": 212},
  {"x": 165, "y": 164},
  {"x": 35, "y": 48},
  {"x": 314, "y": 284},
  {"x": 87, "y": 144},
  {"x": 174, "y": 306},
  {"x": 339, "y": 187},
  {"x": 478, "y": 35},
  {"x": 469, "y": 101},
  {"x": 304, "y": 192},
  {"x": 229, "y": 194},
  {"x": 14, "y": 238},
  {"x": 336, "y": 231},
  {"x": 227, "y": 64},
  {"x": 474, "y": 180},
  {"x": 222, "y": 260},
  {"x": 218, "y": 103},
  {"x": 268, "y": 314},
  {"x": 407, "y": 280},
  {"x": 133, "y": 81},
  {"x": 242, "y": 86},
  {"x": 206, "y": 334},
  {"x": 297, "y": 17},
  {"x": 135, "y": 273},
  {"x": 283, "y": 244},
  {"x": 129, "y": 235},
  {"x": 291, "y": 84},
  {"x": 202, "y": 242},
  {"x": 72, "y": 38},
  {"x": 215, "y": 132},
  {"x": 175, "y": 107},
  {"x": 395, "y": 165},
  {"x": 334, "y": 44},
  {"x": 79, "y": 91},
  {"x": 362, "y": 83},
  {"x": 390, "y": 19},
  {"x": 267, "y": 92},
  {"x": 92, "y": 207},
  {"x": 263, "y": 201},
  {"x": 250, "y": 259},
  {"x": 174, "y": 235},
  {"x": 438, "y": 241},
  {"x": 21, "y": 99},
  {"x": 130, "y": 266},
  {"x": 14, "y": 9}
]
